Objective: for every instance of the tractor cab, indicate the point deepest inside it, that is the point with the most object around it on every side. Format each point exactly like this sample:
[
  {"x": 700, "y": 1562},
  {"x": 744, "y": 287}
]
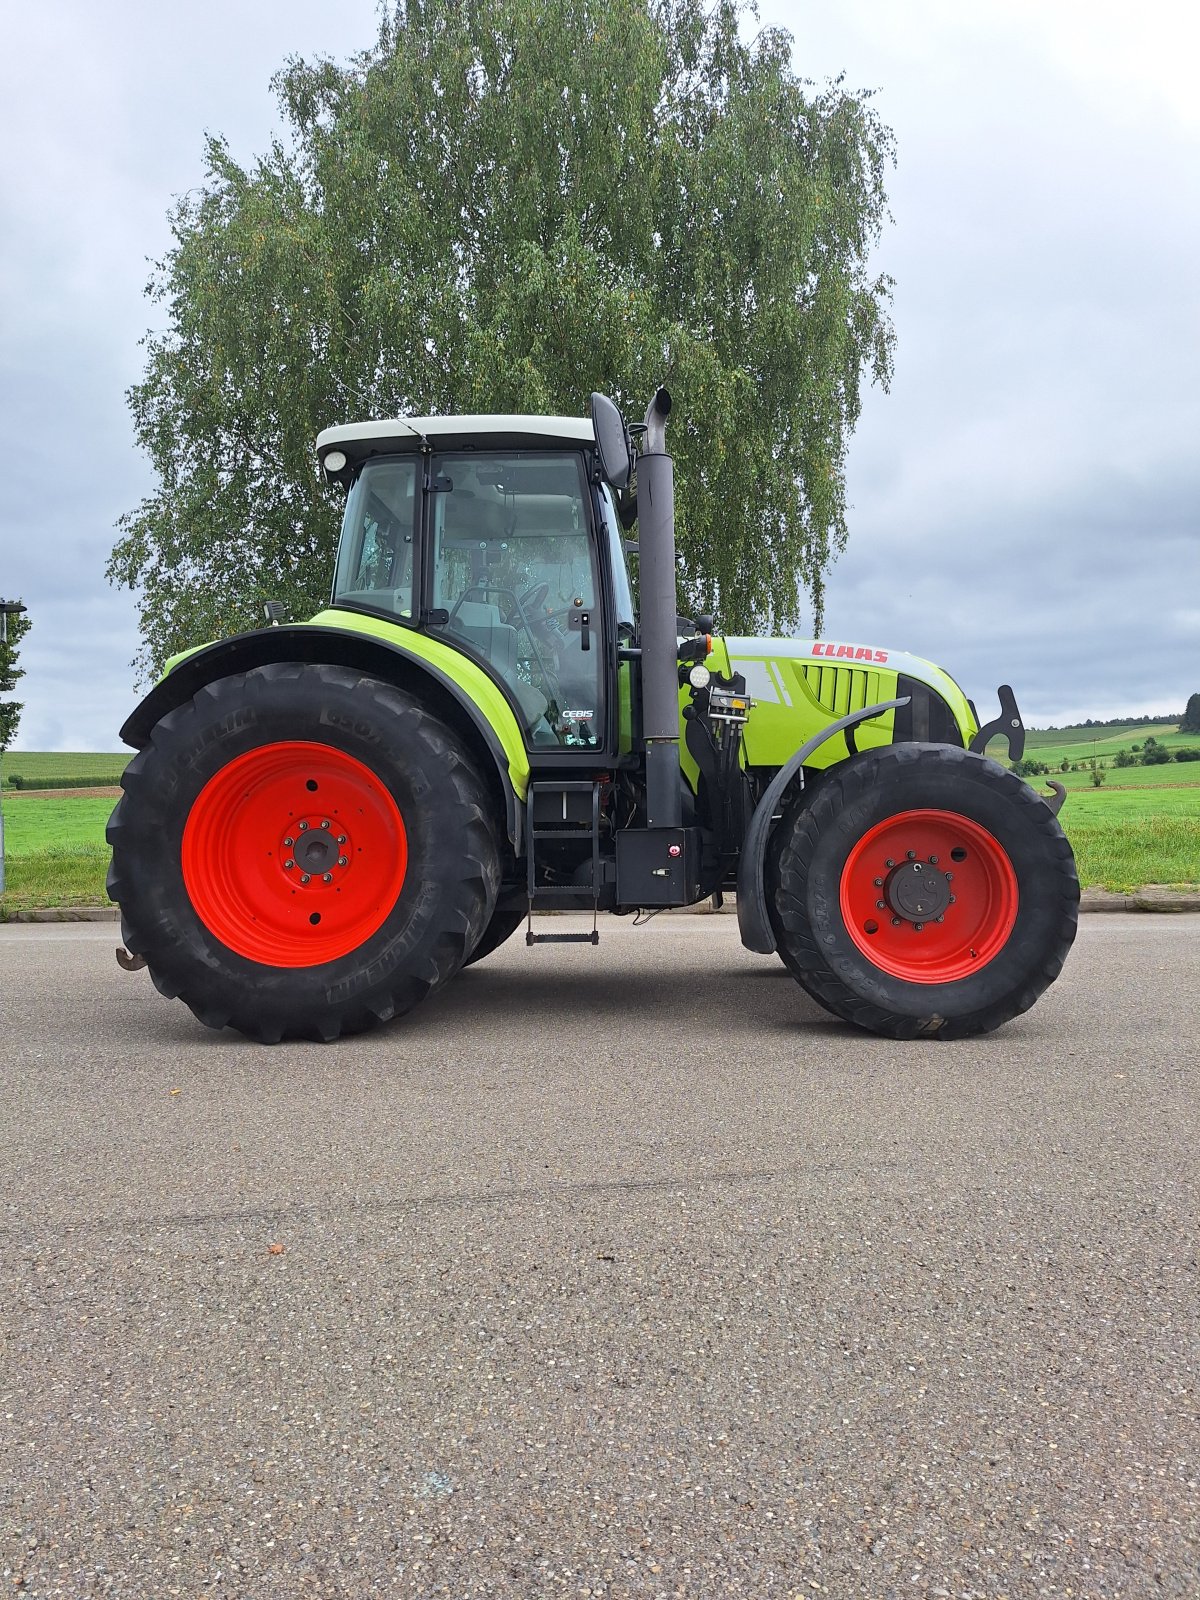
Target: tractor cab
[{"x": 507, "y": 548}]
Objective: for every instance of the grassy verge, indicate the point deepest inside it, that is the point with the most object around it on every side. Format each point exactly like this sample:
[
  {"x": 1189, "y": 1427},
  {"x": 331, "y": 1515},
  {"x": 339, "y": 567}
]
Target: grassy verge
[
  {"x": 55, "y": 878},
  {"x": 54, "y": 849},
  {"x": 1116, "y": 855},
  {"x": 56, "y": 855}
]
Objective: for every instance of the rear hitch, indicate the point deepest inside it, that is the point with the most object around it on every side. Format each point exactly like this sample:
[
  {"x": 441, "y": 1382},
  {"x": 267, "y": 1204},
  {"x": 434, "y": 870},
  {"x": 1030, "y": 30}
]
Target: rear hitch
[
  {"x": 1058, "y": 794},
  {"x": 128, "y": 962}
]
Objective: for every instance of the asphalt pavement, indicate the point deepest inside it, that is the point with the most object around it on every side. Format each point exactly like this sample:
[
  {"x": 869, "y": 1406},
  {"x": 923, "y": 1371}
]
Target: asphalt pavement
[{"x": 621, "y": 1272}]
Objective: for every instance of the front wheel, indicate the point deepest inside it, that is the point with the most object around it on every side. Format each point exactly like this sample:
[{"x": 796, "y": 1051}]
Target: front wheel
[
  {"x": 922, "y": 890},
  {"x": 301, "y": 852}
]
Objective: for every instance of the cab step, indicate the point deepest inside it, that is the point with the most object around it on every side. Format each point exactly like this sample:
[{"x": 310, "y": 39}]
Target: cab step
[{"x": 551, "y": 799}]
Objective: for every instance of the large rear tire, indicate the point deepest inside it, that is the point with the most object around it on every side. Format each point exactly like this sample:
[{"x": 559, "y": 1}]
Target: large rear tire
[
  {"x": 512, "y": 908},
  {"x": 922, "y": 890},
  {"x": 302, "y": 852}
]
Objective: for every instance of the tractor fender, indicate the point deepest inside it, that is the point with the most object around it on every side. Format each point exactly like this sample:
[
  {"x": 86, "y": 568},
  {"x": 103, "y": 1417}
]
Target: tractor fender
[
  {"x": 341, "y": 647},
  {"x": 754, "y": 923}
]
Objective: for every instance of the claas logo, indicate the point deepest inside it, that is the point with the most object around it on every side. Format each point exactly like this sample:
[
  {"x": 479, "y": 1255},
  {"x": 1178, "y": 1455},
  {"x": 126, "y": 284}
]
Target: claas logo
[{"x": 851, "y": 652}]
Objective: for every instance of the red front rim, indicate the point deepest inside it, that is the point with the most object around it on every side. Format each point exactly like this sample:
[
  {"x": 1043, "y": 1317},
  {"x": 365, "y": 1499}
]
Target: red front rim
[
  {"x": 294, "y": 854},
  {"x": 929, "y": 896}
]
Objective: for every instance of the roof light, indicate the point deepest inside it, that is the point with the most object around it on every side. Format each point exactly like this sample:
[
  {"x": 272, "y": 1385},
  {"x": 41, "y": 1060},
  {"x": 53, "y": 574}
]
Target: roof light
[{"x": 335, "y": 461}]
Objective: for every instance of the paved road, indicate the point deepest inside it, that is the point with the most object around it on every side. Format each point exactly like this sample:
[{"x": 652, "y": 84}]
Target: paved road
[{"x": 620, "y": 1272}]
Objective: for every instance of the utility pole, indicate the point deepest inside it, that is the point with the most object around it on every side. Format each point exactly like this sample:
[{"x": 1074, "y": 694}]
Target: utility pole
[{"x": 8, "y": 608}]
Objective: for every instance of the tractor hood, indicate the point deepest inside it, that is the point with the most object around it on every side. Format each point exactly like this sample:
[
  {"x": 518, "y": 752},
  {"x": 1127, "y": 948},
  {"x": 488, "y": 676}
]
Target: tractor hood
[{"x": 800, "y": 684}]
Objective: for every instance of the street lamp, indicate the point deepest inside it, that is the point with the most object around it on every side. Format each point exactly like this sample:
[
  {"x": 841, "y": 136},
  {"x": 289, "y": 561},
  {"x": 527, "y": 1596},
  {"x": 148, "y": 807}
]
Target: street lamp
[{"x": 8, "y": 608}]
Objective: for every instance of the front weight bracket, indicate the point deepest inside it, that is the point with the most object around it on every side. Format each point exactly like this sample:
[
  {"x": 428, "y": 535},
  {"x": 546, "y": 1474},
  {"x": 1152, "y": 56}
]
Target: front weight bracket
[{"x": 1008, "y": 723}]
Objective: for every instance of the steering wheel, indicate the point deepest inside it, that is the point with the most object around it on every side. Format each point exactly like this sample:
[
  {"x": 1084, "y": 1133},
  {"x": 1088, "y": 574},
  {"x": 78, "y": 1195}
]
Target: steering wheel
[
  {"x": 531, "y": 602},
  {"x": 533, "y": 597}
]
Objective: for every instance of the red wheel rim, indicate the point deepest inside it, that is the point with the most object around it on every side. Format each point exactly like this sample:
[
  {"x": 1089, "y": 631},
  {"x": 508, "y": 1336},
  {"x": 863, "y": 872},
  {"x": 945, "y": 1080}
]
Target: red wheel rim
[
  {"x": 293, "y": 854},
  {"x": 929, "y": 896}
]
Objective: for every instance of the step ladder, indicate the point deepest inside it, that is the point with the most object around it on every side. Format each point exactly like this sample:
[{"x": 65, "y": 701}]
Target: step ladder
[{"x": 579, "y": 831}]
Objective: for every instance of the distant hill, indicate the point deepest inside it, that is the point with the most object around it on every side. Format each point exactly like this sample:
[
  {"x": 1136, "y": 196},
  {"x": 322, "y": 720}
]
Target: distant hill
[{"x": 1094, "y": 725}]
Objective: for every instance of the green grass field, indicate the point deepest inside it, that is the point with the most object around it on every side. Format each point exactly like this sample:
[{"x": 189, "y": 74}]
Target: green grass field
[
  {"x": 56, "y": 855},
  {"x": 46, "y": 768},
  {"x": 1079, "y": 744},
  {"x": 1171, "y": 775},
  {"x": 54, "y": 849}
]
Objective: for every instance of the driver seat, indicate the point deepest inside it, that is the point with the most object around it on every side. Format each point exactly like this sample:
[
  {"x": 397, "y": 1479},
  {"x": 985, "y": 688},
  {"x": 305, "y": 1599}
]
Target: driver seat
[{"x": 481, "y": 625}]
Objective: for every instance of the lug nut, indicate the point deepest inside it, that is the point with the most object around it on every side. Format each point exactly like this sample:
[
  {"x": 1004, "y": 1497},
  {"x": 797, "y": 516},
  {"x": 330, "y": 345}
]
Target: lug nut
[
  {"x": 939, "y": 919},
  {"x": 949, "y": 875},
  {"x": 879, "y": 905},
  {"x": 933, "y": 861},
  {"x": 889, "y": 862},
  {"x": 325, "y": 823},
  {"x": 895, "y": 922},
  {"x": 918, "y": 926},
  {"x": 879, "y": 883},
  {"x": 342, "y": 861},
  {"x": 952, "y": 899},
  {"x": 304, "y": 827},
  {"x": 327, "y": 877},
  {"x": 341, "y": 838},
  {"x": 911, "y": 854},
  {"x": 288, "y": 843},
  {"x": 304, "y": 878},
  {"x": 289, "y": 864}
]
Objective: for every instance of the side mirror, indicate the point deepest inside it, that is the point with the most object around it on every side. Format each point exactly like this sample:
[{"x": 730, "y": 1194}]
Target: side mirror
[{"x": 612, "y": 441}]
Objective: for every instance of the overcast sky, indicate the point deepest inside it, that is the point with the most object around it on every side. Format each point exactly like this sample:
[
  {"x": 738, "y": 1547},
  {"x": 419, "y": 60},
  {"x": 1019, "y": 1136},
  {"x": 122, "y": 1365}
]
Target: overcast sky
[{"x": 1026, "y": 499}]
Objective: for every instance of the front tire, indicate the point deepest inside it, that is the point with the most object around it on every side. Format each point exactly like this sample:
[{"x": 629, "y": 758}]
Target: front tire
[
  {"x": 922, "y": 890},
  {"x": 302, "y": 852}
]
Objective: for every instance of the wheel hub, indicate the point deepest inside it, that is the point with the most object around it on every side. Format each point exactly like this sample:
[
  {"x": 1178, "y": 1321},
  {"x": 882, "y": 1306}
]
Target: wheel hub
[
  {"x": 917, "y": 891},
  {"x": 315, "y": 851}
]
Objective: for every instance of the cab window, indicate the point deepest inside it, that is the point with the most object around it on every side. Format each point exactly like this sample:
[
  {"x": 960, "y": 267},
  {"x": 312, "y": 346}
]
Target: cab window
[
  {"x": 513, "y": 576},
  {"x": 375, "y": 556}
]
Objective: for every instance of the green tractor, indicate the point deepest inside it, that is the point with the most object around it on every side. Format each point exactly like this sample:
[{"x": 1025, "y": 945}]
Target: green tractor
[{"x": 324, "y": 821}]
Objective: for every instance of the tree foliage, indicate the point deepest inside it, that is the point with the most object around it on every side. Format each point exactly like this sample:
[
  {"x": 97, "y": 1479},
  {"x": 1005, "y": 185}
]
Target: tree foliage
[
  {"x": 499, "y": 207},
  {"x": 1191, "y": 716},
  {"x": 12, "y": 631}
]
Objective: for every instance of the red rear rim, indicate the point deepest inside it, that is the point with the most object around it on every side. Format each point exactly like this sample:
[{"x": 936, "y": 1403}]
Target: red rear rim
[
  {"x": 929, "y": 896},
  {"x": 294, "y": 854}
]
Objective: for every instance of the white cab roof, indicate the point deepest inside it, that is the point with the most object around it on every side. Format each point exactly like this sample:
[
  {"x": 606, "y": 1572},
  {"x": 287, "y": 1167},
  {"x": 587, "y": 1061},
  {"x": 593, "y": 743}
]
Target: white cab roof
[{"x": 359, "y": 439}]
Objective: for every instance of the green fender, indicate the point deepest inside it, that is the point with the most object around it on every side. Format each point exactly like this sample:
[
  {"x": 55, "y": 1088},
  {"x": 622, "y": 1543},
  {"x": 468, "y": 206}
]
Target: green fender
[
  {"x": 754, "y": 922},
  {"x": 453, "y": 685}
]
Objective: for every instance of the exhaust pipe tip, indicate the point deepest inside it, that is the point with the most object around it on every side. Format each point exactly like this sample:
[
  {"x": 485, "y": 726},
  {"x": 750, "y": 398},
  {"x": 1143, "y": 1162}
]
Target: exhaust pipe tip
[{"x": 657, "y": 413}]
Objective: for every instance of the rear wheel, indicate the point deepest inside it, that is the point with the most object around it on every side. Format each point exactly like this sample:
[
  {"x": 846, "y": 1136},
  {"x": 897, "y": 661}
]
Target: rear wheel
[
  {"x": 922, "y": 890},
  {"x": 302, "y": 852},
  {"x": 512, "y": 908}
]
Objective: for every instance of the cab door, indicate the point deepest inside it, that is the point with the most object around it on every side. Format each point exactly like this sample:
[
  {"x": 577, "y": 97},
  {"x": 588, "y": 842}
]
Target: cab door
[{"x": 512, "y": 579}]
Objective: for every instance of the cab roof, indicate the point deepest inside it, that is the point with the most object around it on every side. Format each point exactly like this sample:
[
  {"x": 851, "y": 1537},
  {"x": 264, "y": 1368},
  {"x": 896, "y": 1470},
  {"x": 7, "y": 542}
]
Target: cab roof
[{"x": 360, "y": 440}]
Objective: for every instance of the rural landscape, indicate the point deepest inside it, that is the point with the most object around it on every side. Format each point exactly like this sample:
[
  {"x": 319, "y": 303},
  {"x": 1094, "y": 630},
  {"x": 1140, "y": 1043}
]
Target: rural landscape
[
  {"x": 1130, "y": 823},
  {"x": 465, "y": 448}
]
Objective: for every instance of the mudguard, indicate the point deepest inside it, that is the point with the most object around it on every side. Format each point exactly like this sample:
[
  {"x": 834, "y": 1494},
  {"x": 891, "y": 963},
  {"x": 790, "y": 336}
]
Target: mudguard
[
  {"x": 347, "y": 647},
  {"x": 754, "y": 923}
]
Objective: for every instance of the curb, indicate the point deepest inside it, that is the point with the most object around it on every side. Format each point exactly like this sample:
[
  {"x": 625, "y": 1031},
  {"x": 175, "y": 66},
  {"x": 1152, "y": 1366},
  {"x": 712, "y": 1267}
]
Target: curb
[
  {"x": 67, "y": 914},
  {"x": 1152, "y": 897}
]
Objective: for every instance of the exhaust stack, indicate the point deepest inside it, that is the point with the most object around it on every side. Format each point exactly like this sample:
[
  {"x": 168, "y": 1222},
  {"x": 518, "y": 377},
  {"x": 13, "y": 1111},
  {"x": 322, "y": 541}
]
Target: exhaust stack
[{"x": 660, "y": 641}]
